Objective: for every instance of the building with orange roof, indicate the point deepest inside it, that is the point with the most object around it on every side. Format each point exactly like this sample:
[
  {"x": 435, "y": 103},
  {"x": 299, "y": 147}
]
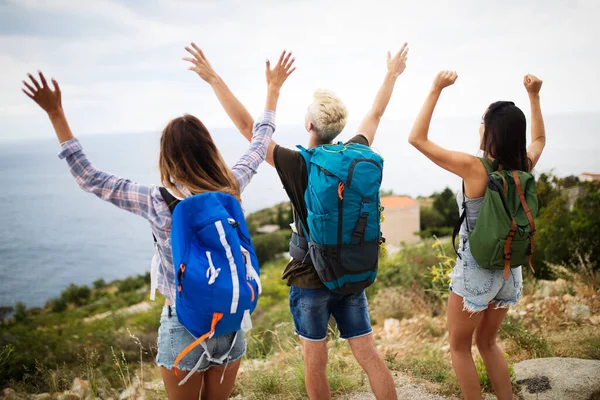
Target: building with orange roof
[
  {"x": 589, "y": 177},
  {"x": 402, "y": 220}
]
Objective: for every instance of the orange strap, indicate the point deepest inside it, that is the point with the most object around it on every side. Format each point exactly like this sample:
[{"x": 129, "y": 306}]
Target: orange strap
[
  {"x": 341, "y": 190},
  {"x": 528, "y": 215},
  {"x": 508, "y": 248},
  {"x": 251, "y": 289},
  {"x": 216, "y": 318}
]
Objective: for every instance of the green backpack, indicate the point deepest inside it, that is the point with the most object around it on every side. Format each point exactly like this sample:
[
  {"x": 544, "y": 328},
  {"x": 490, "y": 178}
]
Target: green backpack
[{"x": 503, "y": 237}]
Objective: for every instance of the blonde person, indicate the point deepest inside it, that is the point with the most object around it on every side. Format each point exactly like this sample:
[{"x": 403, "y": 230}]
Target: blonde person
[
  {"x": 479, "y": 298},
  {"x": 189, "y": 163},
  {"x": 311, "y": 303}
]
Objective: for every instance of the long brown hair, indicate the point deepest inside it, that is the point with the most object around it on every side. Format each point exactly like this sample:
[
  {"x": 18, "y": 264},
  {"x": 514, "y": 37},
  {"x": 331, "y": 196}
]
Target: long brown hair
[{"x": 189, "y": 157}]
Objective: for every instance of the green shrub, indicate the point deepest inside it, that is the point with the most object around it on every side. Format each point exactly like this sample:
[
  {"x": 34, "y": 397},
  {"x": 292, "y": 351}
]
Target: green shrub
[
  {"x": 269, "y": 246},
  {"x": 20, "y": 314},
  {"x": 77, "y": 295},
  {"x": 99, "y": 283},
  {"x": 484, "y": 379},
  {"x": 58, "y": 305},
  {"x": 130, "y": 284},
  {"x": 534, "y": 344}
]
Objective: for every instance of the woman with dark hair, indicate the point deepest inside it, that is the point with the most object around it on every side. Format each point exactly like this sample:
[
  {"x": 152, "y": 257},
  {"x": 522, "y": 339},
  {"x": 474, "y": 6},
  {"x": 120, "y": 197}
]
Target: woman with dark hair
[
  {"x": 189, "y": 163},
  {"x": 479, "y": 297}
]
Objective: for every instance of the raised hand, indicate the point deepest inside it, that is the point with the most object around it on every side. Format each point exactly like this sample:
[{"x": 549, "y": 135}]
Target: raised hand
[
  {"x": 444, "y": 79},
  {"x": 200, "y": 64},
  {"x": 397, "y": 64},
  {"x": 282, "y": 70},
  {"x": 532, "y": 83},
  {"x": 50, "y": 100}
]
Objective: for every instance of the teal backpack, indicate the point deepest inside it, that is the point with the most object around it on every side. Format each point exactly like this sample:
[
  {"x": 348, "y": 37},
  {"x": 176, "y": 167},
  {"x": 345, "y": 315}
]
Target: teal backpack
[
  {"x": 344, "y": 213},
  {"x": 503, "y": 237}
]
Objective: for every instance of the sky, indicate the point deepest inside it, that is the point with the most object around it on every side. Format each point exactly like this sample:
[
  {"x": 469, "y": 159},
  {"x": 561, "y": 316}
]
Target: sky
[{"x": 120, "y": 69}]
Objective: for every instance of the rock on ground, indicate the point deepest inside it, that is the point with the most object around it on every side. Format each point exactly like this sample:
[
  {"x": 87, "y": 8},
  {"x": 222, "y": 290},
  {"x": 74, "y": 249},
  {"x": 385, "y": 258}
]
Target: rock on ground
[{"x": 559, "y": 378}]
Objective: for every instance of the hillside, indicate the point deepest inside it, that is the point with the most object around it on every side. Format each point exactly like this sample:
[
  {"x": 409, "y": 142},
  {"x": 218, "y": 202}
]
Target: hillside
[{"x": 109, "y": 339}]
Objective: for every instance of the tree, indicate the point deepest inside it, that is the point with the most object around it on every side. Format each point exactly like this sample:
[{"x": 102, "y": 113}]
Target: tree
[
  {"x": 20, "y": 312},
  {"x": 445, "y": 204},
  {"x": 430, "y": 218},
  {"x": 585, "y": 225}
]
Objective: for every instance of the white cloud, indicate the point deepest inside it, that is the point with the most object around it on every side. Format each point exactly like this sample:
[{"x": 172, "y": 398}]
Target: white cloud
[{"x": 132, "y": 78}]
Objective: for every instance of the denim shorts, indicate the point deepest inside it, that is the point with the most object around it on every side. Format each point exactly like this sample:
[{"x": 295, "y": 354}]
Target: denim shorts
[
  {"x": 479, "y": 287},
  {"x": 173, "y": 338},
  {"x": 311, "y": 309}
]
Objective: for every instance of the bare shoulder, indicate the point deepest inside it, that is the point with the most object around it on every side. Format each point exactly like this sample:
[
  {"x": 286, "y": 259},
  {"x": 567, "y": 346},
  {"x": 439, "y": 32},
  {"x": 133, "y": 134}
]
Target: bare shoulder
[{"x": 476, "y": 180}]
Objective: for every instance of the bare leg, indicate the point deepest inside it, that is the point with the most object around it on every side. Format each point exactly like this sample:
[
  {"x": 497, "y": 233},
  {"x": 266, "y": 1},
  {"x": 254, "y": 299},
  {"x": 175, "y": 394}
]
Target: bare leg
[
  {"x": 315, "y": 369},
  {"x": 380, "y": 377},
  {"x": 188, "y": 391},
  {"x": 491, "y": 353},
  {"x": 214, "y": 389},
  {"x": 461, "y": 325}
]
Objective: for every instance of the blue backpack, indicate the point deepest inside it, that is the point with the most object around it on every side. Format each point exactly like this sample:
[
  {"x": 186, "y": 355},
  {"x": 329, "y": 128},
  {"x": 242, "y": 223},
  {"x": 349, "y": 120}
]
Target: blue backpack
[
  {"x": 216, "y": 268},
  {"x": 344, "y": 215}
]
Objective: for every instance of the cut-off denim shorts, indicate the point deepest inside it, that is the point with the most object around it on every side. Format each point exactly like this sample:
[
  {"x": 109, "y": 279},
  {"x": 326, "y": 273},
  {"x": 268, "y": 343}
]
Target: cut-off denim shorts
[
  {"x": 173, "y": 338},
  {"x": 312, "y": 308},
  {"x": 479, "y": 287}
]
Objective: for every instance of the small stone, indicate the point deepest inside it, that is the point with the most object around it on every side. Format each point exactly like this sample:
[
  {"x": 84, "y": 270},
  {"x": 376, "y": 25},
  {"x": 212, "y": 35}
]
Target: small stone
[
  {"x": 42, "y": 396},
  {"x": 578, "y": 312},
  {"x": 81, "y": 387},
  {"x": 69, "y": 396}
]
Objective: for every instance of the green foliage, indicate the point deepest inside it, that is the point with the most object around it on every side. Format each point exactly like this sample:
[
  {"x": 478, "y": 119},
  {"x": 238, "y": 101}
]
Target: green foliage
[
  {"x": 484, "y": 379},
  {"x": 430, "y": 218},
  {"x": 20, "y": 312},
  {"x": 566, "y": 235},
  {"x": 77, "y": 295},
  {"x": 445, "y": 204},
  {"x": 131, "y": 284},
  {"x": 534, "y": 344},
  {"x": 269, "y": 246},
  {"x": 5, "y": 312},
  {"x": 58, "y": 305},
  {"x": 440, "y": 231},
  {"x": 280, "y": 214},
  {"x": 99, "y": 283},
  {"x": 416, "y": 267}
]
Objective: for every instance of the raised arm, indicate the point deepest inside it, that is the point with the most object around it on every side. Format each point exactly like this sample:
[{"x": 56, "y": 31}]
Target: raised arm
[
  {"x": 260, "y": 144},
  {"x": 396, "y": 66},
  {"x": 538, "y": 133},
  {"x": 123, "y": 193},
  {"x": 456, "y": 162},
  {"x": 236, "y": 111}
]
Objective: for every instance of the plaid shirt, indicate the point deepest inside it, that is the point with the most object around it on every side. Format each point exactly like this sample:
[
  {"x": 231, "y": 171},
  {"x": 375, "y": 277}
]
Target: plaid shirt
[{"x": 147, "y": 202}]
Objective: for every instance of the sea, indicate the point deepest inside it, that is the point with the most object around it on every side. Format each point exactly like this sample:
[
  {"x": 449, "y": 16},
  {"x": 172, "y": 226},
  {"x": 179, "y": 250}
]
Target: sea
[{"x": 52, "y": 233}]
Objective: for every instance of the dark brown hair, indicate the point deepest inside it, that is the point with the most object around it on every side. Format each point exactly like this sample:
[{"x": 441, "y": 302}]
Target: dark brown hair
[{"x": 505, "y": 136}]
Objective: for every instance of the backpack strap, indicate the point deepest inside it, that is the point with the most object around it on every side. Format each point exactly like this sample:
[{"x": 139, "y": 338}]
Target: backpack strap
[
  {"x": 508, "y": 248},
  {"x": 463, "y": 217},
  {"x": 171, "y": 200},
  {"x": 216, "y": 318},
  {"x": 490, "y": 165},
  {"x": 528, "y": 215}
]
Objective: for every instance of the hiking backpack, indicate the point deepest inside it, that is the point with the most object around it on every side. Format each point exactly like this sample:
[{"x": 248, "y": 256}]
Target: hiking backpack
[
  {"x": 216, "y": 269},
  {"x": 344, "y": 215},
  {"x": 503, "y": 236}
]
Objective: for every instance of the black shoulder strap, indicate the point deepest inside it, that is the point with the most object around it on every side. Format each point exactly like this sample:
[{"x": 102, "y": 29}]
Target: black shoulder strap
[
  {"x": 463, "y": 217},
  {"x": 171, "y": 200}
]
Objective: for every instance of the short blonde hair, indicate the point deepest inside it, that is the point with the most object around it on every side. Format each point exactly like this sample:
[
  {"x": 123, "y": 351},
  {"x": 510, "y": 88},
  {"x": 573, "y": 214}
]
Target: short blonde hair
[{"x": 328, "y": 114}]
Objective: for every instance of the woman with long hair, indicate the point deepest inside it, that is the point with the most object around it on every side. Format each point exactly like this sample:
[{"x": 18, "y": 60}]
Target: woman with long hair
[
  {"x": 189, "y": 163},
  {"x": 479, "y": 298}
]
